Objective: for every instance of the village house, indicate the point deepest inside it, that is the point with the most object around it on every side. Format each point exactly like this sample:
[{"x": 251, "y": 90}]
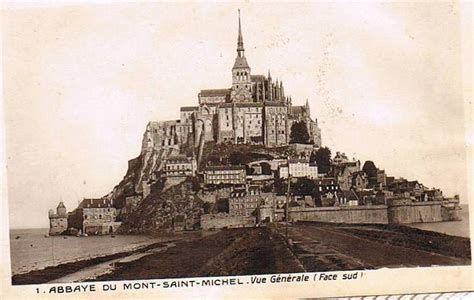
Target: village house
[
  {"x": 343, "y": 169},
  {"x": 414, "y": 188},
  {"x": 323, "y": 187},
  {"x": 432, "y": 195},
  {"x": 359, "y": 181},
  {"x": 298, "y": 168},
  {"x": 340, "y": 158},
  {"x": 94, "y": 216},
  {"x": 244, "y": 202},
  {"x": 234, "y": 175},
  {"x": 381, "y": 178},
  {"x": 58, "y": 221},
  {"x": 366, "y": 197},
  {"x": 179, "y": 166},
  {"x": 351, "y": 198}
]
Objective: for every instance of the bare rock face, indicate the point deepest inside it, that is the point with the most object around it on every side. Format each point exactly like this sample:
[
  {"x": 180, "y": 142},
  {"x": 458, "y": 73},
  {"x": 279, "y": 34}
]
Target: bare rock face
[
  {"x": 176, "y": 208},
  {"x": 144, "y": 170},
  {"x": 164, "y": 204}
]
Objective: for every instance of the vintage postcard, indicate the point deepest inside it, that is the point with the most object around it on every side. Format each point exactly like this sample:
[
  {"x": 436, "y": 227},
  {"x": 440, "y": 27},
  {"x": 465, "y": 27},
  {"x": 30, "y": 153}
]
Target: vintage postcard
[{"x": 222, "y": 150}]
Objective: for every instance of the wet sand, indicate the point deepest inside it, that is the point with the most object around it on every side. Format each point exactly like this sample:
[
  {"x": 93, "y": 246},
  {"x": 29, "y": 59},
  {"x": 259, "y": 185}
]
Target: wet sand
[{"x": 264, "y": 250}]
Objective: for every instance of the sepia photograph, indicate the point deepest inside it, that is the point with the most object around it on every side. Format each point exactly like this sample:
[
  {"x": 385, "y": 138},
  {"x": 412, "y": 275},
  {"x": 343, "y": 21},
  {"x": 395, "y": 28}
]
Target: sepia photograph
[{"x": 153, "y": 143}]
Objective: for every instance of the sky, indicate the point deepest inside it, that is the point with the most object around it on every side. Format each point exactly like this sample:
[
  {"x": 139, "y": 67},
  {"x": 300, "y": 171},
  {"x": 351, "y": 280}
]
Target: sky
[{"x": 389, "y": 82}]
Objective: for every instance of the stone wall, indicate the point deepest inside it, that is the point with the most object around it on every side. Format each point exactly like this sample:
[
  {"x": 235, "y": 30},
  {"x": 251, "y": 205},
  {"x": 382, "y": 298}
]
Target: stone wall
[
  {"x": 450, "y": 213},
  {"x": 215, "y": 221},
  {"x": 57, "y": 225},
  {"x": 415, "y": 212},
  {"x": 370, "y": 214},
  {"x": 100, "y": 229}
]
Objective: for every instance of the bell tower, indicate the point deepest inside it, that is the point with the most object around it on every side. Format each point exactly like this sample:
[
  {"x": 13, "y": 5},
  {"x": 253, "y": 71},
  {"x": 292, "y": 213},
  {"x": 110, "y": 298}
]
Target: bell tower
[{"x": 241, "y": 82}]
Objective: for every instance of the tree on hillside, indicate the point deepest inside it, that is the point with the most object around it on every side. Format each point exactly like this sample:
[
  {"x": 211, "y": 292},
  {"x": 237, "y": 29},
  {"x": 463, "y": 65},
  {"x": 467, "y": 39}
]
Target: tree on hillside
[
  {"x": 370, "y": 169},
  {"x": 299, "y": 133},
  {"x": 266, "y": 169},
  {"x": 238, "y": 158},
  {"x": 323, "y": 159},
  {"x": 312, "y": 157}
]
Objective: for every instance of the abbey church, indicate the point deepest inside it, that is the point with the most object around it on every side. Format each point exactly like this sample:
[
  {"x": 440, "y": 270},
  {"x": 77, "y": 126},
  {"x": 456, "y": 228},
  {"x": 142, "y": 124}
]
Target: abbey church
[{"x": 254, "y": 110}]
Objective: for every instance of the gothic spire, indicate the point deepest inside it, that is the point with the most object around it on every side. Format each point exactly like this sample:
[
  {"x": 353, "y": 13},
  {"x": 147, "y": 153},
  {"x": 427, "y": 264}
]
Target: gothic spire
[{"x": 240, "y": 41}]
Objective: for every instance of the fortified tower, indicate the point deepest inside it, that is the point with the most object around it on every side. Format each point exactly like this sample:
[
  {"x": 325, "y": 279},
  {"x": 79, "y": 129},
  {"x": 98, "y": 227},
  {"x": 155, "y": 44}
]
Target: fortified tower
[{"x": 58, "y": 220}]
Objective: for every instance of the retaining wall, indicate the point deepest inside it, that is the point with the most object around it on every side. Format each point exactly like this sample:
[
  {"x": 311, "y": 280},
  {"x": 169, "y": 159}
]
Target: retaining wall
[
  {"x": 367, "y": 214},
  {"x": 416, "y": 212},
  {"x": 215, "y": 221}
]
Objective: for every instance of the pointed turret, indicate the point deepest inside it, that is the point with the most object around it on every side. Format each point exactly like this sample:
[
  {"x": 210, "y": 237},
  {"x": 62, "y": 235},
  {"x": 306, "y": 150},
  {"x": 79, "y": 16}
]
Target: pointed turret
[
  {"x": 240, "y": 41},
  {"x": 306, "y": 106},
  {"x": 269, "y": 87},
  {"x": 241, "y": 80},
  {"x": 278, "y": 91},
  {"x": 282, "y": 92}
]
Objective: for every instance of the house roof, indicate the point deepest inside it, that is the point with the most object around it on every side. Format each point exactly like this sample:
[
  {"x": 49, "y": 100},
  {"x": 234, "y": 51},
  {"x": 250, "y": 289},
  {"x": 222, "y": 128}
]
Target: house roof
[
  {"x": 326, "y": 181},
  {"x": 222, "y": 168},
  {"x": 95, "y": 203},
  {"x": 214, "y": 92},
  {"x": 238, "y": 194},
  {"x": 298, "y": 160},
  {"x": 178, "y": 159},
  {"x": 189, "y": 108}
]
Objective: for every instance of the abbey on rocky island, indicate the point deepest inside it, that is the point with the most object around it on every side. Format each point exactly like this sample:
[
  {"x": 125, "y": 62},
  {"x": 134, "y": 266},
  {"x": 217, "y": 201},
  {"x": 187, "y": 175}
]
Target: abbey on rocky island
[{"x": 254, "y": 110}]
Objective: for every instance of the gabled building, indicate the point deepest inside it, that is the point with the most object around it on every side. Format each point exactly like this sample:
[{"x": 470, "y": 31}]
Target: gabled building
[
  {"x": 359, "y": 181},
  {"x": 244, "y": 202},
  {"x": 298, "y": 168},
  {"x": 233, "y": 175},
  {"x": 94, "y": 216},
  {"x": 179, "y": 166}
]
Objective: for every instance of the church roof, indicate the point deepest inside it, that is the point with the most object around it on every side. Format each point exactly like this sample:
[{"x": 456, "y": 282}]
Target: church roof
[
  {"x": 297, "y": 110},
  {"x": 241, "y": 62},
  {"x": 274, "y": 103},
  {"x": 241, "y": 104},
  {"x": 214, "y": 92},
  {"x": 258, "y": 78}
]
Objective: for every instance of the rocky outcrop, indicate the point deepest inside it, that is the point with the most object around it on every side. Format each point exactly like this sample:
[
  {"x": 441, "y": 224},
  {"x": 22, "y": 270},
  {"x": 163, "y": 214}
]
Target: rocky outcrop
[
  {"x": 176, "y": 208},
  {"x": 165, "y": 204},
  {"x": 143, "y": 170}
]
